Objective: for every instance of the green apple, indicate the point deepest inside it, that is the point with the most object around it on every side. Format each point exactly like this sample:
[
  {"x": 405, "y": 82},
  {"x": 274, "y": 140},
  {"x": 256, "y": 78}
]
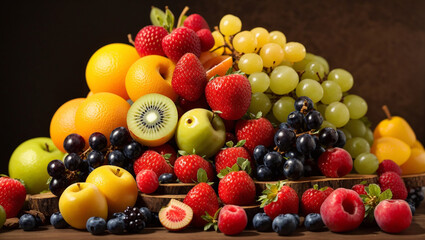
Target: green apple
[
  {"x": 198, "y": 129},
  {"x": 2, "y": 216},
  {"x": 29, "y": 163}
]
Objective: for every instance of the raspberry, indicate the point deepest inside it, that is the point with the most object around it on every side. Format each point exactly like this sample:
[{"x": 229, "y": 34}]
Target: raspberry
[
  {"x": 147, "y": 181},
  {"x": 388, "y": 166},
  {"x": 392, "y": 181}
]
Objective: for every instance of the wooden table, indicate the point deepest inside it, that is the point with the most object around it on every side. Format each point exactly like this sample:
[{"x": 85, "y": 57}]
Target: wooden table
[{"x": 415, "y": 231}]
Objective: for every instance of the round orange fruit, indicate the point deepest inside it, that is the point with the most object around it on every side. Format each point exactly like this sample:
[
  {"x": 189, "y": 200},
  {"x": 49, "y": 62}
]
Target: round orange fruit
[
  {"x": 108, "y": 66},
  {"x": 63, "y": 122},
  {"x": 101, "y": 112}
]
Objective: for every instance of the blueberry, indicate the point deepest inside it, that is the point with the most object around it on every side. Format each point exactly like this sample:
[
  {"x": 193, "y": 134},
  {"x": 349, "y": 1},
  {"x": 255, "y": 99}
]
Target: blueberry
[
  {"x": 313, "y": 222},
  {"x": 258, "y": 153},
  {"x": 284, "y": 224},
  {"x": 264, "y": 173},
  {"x": 27, "y": 222},
  {"x": 147, "y": 214},
  {"x": 132, "y": 150},
  {"x": 273, "y": 160},
  {"x": 118, "y": 215},
  {"x": 58, "y": 221},
  {"x": 293, "y": 169},
  {"x": 96, "y": 225},
  {"x": 167, "y": 178},
  {"x": 412, "y": 206},
  {"x": 155, "y": 220},
  {"x": 116, "y": 226},
  {"x": 296, "y": 218},
  {"x": 262, "y": 222}
]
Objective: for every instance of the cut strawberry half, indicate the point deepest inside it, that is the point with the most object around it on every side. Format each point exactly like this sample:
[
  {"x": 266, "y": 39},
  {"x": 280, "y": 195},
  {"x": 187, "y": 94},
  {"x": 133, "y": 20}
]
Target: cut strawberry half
[{"x": 175, "y": 216}]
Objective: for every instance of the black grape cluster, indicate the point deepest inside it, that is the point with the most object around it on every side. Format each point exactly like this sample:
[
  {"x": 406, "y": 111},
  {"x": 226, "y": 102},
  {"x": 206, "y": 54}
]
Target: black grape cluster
[
  {"x": 298, "y": 145},
  {"x": 78, "y": 164}
]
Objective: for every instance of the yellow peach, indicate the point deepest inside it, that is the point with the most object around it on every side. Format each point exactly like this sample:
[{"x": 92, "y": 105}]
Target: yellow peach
[
  {"x": 416, "y": 162},
  {"x": 391, "y": 148}
]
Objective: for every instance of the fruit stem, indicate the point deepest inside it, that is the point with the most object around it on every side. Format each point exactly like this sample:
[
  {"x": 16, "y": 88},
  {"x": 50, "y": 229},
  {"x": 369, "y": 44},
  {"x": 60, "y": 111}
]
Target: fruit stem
[
  {"x": 185, "y": 9},
  {"x": 130, "y": 39},
  {"x": 47, "y": 147},
  {"x": 118, "y": 171},
  {"x": 79, "y": 187},
  {"x": 387, "y": 111}
]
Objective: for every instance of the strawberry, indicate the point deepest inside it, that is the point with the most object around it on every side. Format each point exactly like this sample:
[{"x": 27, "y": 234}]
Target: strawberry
[
  {"x": 313, "y": 198},
  {"x": 227, "y": 157},
  {"x": 388, "y": 166},
  {"x": 256, "y": 132},
  {"x": 12, "y": 196},
  {"x": 147, "y": 181},
  {"x": 186, "y": 168},
  {"x": 189, "y": 77},
  {"x": 393, "y": 181},
  {"x": 149, "y": 41},
  {"x": 206, "y": 38},
  {"x": 195, "y": 22},
  {"x": 327, "y": 191},
  {"x": 279, "y": 199},
  {"x": 236, "y": 186},
  {"x": 167, "y": 151},
  {"x": 202, "y": 198},
  {"x": 151, "y": 160},
  {"x": 360, "y": 188},
  {"x": 229, "y": 94},
  {"x": 179, "y": 42}
]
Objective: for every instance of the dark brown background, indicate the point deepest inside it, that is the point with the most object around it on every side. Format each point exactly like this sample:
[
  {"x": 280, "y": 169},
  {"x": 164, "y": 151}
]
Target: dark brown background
[{"x": 45, "y": 47}]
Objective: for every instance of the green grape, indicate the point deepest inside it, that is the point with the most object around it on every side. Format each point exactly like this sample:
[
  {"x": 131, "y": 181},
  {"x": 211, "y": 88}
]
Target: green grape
[
  {"x": 331, "y": 92},
  {"x": 286, "y": 63},
  {"x": 262, "y": 36},
  {"x": 272, "y": 54},
  {"x": 313, "y": 70},
  {"x": 347, "y": 133},
  {"x": 250, "y": 63},
  {"x": 283, "y": 107},
  {"x": 366, "y": 163},
  {"x": 321, "y": 108},
  {"x": 244, "y": 42},
  {"x": 277, "y": 37},
  {"x": 356, "y": 105},
  {"x": 259, "y": 81},
  {"x": 230, "y": 25},
  {"x": 337, "y": 113},
  {"x": 283, "y": 79},
  {"x": 294, "y": 51},
  {"x": 300, "y": 66},
  {"x": 326, "y": 124},
  {"x": 342, "y": 77},
  {"x": 310, "y": 88},
  {"x": 369, "y": 136},
  {"x": 218, "y": 41},
  {"x": 356, "y": 146},
  {"x": 323, "y": 62},
  {"x": 259, "y": 103},
  {"x": 356, "y": 128}
]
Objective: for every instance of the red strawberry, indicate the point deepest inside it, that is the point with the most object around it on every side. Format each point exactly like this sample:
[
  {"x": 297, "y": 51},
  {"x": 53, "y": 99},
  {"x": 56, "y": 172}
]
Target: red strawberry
[
  {"x": 388, "y": 166},
  {"x": 256, "y": 132},
  {"x": 149, "y": 41},
  {"x": 167, "y": 151},
  {"x": 189, "y": 77},
  {"x": 151, "y": 160},
  {"x": 12, "y": 196},
  {"x": 236, "y": 186},
  {"x": 187, "y": 105},
  {"x": 186, "y": 168},
  {"x": 359, "y": 188},
  {"x": 179, "y": 42},
  {"x": 313, "y": 198},
  {"x": 279, "y": 199},
  {"x": 229, "y": 156},
  {"x": 147, "y": 181},
  {"x": 230, "y": 94},
  {"x": 206, "y": 38},
  {"x": 195, "y": 22},
  {"x": 327, "y": 191},
  {"x": 202, "y": 198},
  {"x": 393, "y": 181}
]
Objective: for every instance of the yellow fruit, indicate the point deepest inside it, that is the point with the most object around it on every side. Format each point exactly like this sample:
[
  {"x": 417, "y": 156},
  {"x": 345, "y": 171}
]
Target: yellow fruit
[
  {"x": 63, "y": 122},
  {"x": 81, "y": 201},
  {"x": 108, "y": 66},
  {"x": 395, "y": 127},
  {"x": 416, "y": 162},
  {"x": 150, "y": 74},
  {"x": 418, "y": 144},
  {"x": 391, "y": 148}
]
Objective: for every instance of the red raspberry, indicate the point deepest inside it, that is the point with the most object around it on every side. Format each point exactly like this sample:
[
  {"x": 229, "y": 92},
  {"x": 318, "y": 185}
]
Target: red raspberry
[
  {"x": 388, "y": 166},
  {"x": 359, "y": 188},
  {"x": 232, "y": 220},
  {"x": 147, "y": 181},
  {"x": 393, "y": 181}
]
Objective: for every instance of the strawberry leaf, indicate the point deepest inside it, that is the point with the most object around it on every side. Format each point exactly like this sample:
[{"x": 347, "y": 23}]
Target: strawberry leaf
[
  {"x": 387, "y": 194},
  {"x": 213, "y": 77},
  {"x": 258, "y": 115},
  {"x": 202, "y": 176},
  {"x": 229, "y": 71},
  {"x": 157, "y": 16},
  {"x": 169, "y": 20},
  {"x": 241, "y": 143},
  {"x": 182, "y": 153},
  {"x": 167, "y": 156},
  {"x": 270, "y": 193},
  {"x": 363, "y": 182},
  {"x": 229, "y": 144},
  {"x": 316, "y": 187},
  {"x": 373, "y": 190}
]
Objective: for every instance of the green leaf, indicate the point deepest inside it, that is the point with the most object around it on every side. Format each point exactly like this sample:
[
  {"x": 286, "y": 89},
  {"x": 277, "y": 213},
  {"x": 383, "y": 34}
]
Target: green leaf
[
  {"x": 316, "y": 187},
  {"x": 229, "y": 144},
  {"x": 208, "y": 226},
  {"x": 157, "y": 17},
  {"x": 216, "y": 227},
  {"x": 215, "y": 76},
  {"x": 182, "y": 152},
  {"x": 229, "y": 71},
  {"x": 374, "y": 190},
  {"x": 202, "y": 176},
  {"x": 259, "y": 115},
  {"x": 387, "y": 194},
  {"x": 241, "y": 143},
  {"x": 235, "y": 168},
  {"x": 49, "y": 180},
  {"x": 223, "y": 173},
  {"x": 363, "y": 182},
  {"x": 169, "y": 18},
  {"x": 167, "y": 156}
]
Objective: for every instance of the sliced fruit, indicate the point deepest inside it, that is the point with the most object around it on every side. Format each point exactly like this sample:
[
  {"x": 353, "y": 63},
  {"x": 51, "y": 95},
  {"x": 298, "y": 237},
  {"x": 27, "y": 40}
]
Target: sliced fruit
[
  {"x": 218, "y": 66},
  {"x": 206, "y": 56},
  {"x": 152, "y": 119},
  {"x": 175, "y": 216}
]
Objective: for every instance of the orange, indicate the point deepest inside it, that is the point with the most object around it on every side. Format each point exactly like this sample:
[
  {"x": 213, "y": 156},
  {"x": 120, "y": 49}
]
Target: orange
[
  {"x": 108, "y": 66},
  {"x": 63, "y": 122},
  {"x": 205, "y": 56},
  {"x": 150, "y": 74},
  {"x": 218, "y": 66},
  {"x": 101, "y": 112}
]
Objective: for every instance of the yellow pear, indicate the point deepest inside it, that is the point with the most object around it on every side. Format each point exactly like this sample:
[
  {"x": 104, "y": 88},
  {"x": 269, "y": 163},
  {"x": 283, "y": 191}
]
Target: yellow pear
[
  {"x": 416, "y": 162},
  {"x": 391, "y": 148},
  {"x": 419, "y": 145}
]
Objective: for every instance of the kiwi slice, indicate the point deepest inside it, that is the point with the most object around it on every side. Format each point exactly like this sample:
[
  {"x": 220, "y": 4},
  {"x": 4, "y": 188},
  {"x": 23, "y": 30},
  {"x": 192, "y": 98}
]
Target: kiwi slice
[{"x": 152, "y": 119}]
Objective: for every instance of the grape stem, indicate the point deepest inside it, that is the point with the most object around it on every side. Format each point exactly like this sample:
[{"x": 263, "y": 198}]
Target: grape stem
[
  {"x": 130, "y": 39},
  {"x": 387, "y": 111}
]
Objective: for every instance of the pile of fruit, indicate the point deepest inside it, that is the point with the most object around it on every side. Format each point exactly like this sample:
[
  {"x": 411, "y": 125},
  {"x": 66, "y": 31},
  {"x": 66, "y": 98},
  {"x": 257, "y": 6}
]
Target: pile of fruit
[{"x": 187, "y": 105}]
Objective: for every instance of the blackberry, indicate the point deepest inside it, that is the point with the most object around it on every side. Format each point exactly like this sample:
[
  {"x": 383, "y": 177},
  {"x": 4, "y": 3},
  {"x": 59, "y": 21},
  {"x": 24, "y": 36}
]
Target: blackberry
[
  {"x": 134, "y": 219},
  {"x": 415, "y": 196}
]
